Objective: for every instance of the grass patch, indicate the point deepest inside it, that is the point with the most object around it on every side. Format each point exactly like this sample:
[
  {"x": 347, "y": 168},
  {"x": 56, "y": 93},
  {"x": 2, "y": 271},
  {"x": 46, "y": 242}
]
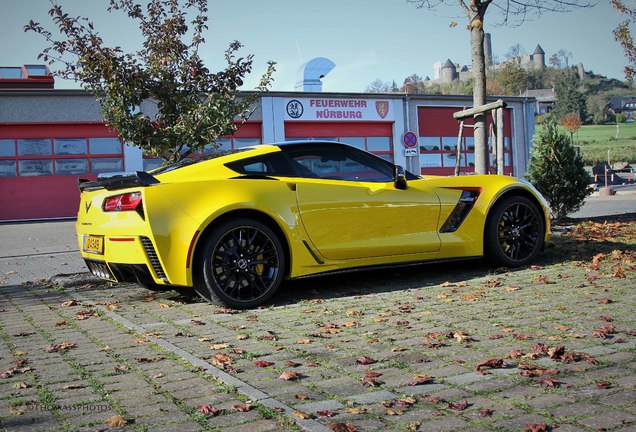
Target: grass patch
[{"x": 596, "y": 140}]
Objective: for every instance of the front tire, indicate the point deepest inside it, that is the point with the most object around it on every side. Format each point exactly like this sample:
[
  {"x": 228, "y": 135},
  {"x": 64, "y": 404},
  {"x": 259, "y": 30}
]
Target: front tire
[
  {"x": 515, "y": 232},
  {"x": 242, "y": 264}
]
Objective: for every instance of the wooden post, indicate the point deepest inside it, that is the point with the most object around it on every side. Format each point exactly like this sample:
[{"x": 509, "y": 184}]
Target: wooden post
[
  {"x": 500, "y": 140},
  {"x": 458, "y": 150},
  {"x": 493, "y": 141},
  {"x": 461, "y": 115}
]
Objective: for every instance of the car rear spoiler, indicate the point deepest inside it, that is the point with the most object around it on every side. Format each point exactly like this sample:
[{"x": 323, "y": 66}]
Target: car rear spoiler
[{"x": 114, "y": 181}]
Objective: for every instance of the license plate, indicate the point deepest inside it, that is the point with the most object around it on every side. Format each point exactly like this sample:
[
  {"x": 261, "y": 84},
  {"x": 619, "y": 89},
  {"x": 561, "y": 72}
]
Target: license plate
[{"x": 94, "y": 244}]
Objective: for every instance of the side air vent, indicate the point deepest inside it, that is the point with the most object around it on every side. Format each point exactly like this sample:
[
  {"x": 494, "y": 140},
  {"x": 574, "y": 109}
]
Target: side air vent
[
  {"x": 153, "y": 258},
  {"x": 464, "y": 206}
]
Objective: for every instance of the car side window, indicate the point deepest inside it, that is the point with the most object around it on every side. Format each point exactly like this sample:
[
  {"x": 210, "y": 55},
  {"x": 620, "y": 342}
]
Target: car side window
[
  {"x": 339, "y": 163},
  {"x": 271, "y": 164}
]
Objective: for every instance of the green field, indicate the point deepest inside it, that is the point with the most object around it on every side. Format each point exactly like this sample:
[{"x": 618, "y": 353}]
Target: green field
[{"x": 595, "y": 141}]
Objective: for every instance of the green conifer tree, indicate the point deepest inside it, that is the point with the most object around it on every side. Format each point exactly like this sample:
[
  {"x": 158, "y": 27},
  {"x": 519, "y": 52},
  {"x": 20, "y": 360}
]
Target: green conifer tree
[{"x": 557, "y": 171}]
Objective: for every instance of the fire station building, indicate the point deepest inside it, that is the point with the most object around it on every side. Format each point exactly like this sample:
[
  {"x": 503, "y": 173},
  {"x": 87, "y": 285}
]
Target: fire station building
[{"x": 49, "y": 138}]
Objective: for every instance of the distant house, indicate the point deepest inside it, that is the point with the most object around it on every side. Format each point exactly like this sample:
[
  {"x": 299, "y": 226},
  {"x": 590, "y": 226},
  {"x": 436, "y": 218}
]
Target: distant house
[
  {"x": 622, "y": 105},
  {"x": 545, "y": 99}
]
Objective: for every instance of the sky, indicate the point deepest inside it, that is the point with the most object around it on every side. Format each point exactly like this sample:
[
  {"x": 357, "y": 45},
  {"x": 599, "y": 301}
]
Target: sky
[{"x": 366, "y": 39}]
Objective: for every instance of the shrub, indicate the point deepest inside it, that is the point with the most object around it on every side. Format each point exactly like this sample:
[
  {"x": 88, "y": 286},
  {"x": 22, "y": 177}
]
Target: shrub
[
  {"x": 620, "y": 118},
  {"x": 557, "y": 171}
]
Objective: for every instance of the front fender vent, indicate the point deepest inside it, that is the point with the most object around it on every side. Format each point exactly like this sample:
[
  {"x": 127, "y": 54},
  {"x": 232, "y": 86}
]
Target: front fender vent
[
  {"x": 465, "y": 204},
  {"x": 153, "y": 258}
]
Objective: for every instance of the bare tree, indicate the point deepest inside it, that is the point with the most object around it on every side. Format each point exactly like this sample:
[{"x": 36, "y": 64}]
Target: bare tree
[
  {"x": 511, "y": 12},
  {"x": 514, "y": 53},
  {"x": 378, "y": 86},
  {"x": 564, "y": 57}
]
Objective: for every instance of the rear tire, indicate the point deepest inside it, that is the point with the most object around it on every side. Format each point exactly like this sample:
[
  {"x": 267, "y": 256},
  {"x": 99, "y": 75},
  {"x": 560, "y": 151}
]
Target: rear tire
[
  {"x": 515, "y": 232},
  {"x": 241, "y": 265}
]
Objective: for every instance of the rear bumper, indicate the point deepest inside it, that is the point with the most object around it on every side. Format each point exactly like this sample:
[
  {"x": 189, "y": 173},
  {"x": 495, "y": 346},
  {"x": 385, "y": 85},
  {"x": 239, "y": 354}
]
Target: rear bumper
[
  {"x": 131, "y": 273},
  {"x": 134, "y": 260}
]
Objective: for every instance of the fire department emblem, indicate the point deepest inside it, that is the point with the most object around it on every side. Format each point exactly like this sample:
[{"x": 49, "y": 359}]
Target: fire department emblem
[
  {"x": 294, "y": 109},
  {"x": 382, "y": 108}
]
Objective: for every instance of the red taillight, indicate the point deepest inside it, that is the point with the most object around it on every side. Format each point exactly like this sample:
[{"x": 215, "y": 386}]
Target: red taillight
[{"x": 128, "y": 201}]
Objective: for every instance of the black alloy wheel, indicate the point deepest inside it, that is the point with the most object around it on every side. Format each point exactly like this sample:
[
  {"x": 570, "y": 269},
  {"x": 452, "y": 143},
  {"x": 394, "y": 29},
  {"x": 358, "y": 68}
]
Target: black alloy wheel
[
  {"x": 515, "y": 232},
  {"x": 243, "y": 264}
]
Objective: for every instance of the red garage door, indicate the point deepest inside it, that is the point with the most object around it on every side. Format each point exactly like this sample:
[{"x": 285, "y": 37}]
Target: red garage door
[
  {"x": 372, "y": 136},
  {"x": 438, "y": 142},
  {"x": 40, "y": 165}
]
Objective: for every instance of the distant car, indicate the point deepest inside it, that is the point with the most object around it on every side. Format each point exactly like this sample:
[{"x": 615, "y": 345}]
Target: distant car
[{"x": 233, "y": 225}]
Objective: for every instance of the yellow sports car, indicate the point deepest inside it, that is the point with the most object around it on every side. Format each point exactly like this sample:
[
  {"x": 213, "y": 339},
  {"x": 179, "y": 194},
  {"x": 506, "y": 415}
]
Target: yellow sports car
[{"x": 233, "y": 225}]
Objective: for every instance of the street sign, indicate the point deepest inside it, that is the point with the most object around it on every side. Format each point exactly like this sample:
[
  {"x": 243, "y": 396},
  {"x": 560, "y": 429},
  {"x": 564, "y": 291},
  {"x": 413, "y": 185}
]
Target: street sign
[
  {"x": 410, "y": 152},
  {"x": 410, "y": 139}
]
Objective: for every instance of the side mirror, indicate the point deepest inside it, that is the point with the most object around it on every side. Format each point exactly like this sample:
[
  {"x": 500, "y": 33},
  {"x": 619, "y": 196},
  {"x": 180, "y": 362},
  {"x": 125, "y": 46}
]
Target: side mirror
[{"x": 399, "y": 177}]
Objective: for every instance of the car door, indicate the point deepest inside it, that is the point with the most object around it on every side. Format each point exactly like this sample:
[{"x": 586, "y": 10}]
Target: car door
[{"x": 351, "y": 209}]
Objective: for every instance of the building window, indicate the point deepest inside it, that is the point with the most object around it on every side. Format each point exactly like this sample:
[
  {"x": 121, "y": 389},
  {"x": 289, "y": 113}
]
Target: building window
[
  {"x": 248, "y": 134},
  {"x": 438, "y": 132},
  {"x": 28, "y": 157}
]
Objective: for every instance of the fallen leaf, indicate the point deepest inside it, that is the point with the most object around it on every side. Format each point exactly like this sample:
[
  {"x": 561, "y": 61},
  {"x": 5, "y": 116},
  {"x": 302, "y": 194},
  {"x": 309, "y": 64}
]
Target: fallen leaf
[
  {"x": 493, "y": 363},
  {"x": 413, "y": 426},
  {"x": 60, "y": 347},
  {"x": 220, "y": 346},
  {"x": 20, "y": 385},
  {"x": 356, "y": 410},
  {"x": 150, "y": 359},
  {"x": 209, "y": 410},
  {"x": 342, "y": 427},
  {"x": 548, "y": 383},
  {"x": 263, "y": 363},
  {"x": 394, "y": 412},
  {"x": 604, "y": 385},
  {"x": 197, "y": 322},
  {"x": 70, "y": 303},
  {"x": 365, "y": 361},
  {"x": 242, "y": 337},
  {"x": 301, "y": 397},
  {"x": 23, "y": 334},
  {"x": 289, "y": 376},
  {"x": 514, "y": 354},
  {"x": 116, "y": 421},
  {"x": 244, "y": 407},
  {"x": 486, "y": 412},
  {"x": 303, "y": 341},
  {"x": 17, "y": 410},
  {"x": 122, "y": 368},
  {"x": 326, "y": 413},
  {"x": 459, "y": 406},
  {"x": 221, "y": 359},
  {"x": 370, "y": 379},
  {"x": 419, "y": 380},
  {"x": 73, "y": 386},
  {"x": 607, "y": 318},
  {"x": 301, "y": 415},
  {"x": 534, "y": 427},
  {"x": 61, "y": 324},
  {"x": 405, "y": 402}
]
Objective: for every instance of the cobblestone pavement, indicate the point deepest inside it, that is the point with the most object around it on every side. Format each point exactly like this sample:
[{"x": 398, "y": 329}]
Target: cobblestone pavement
[{"x": 458, "y": 346}]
